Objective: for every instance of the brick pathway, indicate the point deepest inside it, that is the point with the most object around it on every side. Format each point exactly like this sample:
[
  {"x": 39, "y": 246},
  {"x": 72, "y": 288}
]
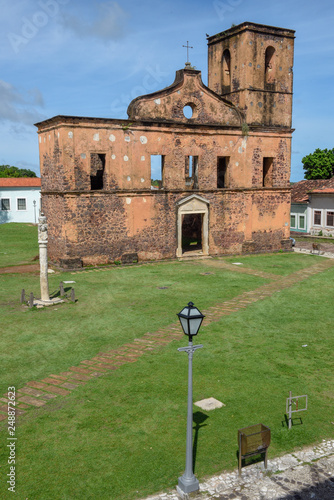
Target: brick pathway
[{"x": 37, "y": 393}]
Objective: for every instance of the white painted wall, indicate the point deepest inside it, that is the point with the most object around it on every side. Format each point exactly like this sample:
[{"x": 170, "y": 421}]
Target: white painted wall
[
  {"x": 30, "y": 194},
  {"x": 323, "y": 203}
]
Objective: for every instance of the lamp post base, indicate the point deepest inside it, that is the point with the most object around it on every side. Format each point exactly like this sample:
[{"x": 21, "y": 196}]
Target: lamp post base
[{"x": 187, "y": 485}]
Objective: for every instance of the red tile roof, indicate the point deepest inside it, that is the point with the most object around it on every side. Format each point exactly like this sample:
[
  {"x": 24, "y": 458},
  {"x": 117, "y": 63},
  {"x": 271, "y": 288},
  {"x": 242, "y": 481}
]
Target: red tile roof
[
  {"x": 323, "y": 190},
  {"x": 300, "y": 190},
  {"x": 20, "y": 182}
]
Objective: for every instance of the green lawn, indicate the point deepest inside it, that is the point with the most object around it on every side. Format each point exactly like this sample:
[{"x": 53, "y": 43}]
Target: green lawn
[
  {"x": 114, "y": 307},
  {"x": 122, "y": 436},
  {"x": 18, "y": 244},
  {"x": 281, "y": 264}
]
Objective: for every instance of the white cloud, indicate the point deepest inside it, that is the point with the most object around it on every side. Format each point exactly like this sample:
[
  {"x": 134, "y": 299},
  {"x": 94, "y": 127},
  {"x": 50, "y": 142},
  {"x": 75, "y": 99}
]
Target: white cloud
[
  {"x": 17, "y": 107},
  {"x": 109, "y": 23},
  {"x": 37, "y": 97}
]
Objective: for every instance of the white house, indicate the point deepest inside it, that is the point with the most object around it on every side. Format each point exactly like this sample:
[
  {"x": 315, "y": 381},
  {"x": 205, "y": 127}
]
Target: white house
[
  {"x": 20, "y": 199},
  {"x": 312, "y": 207}
]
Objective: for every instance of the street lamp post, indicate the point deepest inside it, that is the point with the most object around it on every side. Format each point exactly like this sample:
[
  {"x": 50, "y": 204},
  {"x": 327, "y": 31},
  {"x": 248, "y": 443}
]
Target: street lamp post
[
  {"x": 34, "y": 203},
  {"x": 191, "y": 319}
]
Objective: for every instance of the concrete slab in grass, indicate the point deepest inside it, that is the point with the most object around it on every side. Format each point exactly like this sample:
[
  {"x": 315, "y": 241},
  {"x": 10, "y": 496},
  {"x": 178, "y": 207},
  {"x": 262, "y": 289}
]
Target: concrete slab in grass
[{"x": 209, "y": 404}]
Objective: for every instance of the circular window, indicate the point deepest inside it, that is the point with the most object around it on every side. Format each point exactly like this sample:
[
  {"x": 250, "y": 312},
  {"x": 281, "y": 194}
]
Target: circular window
[{"x": 188, "y": 111}]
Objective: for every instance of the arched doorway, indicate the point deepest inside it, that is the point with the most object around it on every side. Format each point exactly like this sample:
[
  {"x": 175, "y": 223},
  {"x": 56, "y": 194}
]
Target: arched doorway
[{"x": 193, "y": 226}]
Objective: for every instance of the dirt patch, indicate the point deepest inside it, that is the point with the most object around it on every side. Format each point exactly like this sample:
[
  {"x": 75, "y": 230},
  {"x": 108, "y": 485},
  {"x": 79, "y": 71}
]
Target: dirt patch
[
  {"x": 29, "y": 268},
  {"x": 308, "y": 245}
]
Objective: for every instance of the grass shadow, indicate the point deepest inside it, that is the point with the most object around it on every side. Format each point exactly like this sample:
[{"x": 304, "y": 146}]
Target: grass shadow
[
  {"x": 56, "y": 293},
  {"x": 198, "y": 418},
  {"x": 254, "y": 459},
  {"x": 285, "y": 422}
]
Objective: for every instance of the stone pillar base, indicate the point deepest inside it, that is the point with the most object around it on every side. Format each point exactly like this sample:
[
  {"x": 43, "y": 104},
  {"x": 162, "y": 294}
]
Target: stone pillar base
[{"x": 50, "y": 302}]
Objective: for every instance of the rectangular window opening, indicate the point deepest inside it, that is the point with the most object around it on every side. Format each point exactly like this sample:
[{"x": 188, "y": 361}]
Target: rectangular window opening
[
  {"x": 317, "y": 218},
  {"x": 222, "y": 164},
  {"x": 293, "y": 221},
  {"x": 267, "y": 180},
  {"x": 191, "y": 172},
  {"x": 21, "y": 204},
  {"x": 330, "y": 219},
  {"x": 5, "y": 204},
  {"x": 301, "y": 222},
  {"x": 157, "y": 171},
  {"x": 97, "y": 166}
]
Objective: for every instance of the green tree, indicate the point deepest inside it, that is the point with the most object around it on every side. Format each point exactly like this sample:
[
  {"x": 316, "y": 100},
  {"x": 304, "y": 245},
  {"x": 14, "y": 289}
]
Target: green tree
[
  {"x": 319, "y": 165},
  {"x": 9, "y": 171}
]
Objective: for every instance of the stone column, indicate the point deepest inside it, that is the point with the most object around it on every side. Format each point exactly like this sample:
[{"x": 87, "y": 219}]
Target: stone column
[{"x": 43, "y": 257}]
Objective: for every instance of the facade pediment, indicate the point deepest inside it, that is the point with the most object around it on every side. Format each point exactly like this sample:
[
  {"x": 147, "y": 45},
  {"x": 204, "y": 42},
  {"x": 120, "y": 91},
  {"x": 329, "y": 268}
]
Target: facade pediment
[
  {"x": 193, "y": 203},
  {"x": 188, "y": 90}
]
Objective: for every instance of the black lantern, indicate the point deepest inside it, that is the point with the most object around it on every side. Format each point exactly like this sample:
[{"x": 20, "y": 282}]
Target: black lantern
[{"x": 191, "y": 319}]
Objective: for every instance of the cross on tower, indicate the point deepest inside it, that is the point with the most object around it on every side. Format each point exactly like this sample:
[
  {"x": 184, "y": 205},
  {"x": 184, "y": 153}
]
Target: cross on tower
[{"x": 187, "y": 47}]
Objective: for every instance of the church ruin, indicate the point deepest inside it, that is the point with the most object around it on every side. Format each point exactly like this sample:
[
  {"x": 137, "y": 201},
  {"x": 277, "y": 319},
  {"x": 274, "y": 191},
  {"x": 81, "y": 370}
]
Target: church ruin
[{"x": 224, "y": 160}]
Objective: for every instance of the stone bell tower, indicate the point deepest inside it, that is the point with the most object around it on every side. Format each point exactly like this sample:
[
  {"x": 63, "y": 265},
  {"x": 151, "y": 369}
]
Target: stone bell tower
[{"x": 251, "y": 65}]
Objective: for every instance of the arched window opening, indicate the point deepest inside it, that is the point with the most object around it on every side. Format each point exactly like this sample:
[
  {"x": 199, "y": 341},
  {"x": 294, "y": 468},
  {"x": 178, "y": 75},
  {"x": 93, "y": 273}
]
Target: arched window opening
[
  {"x": 226, "y": 72},
  {"x": 269, "y": 78}
]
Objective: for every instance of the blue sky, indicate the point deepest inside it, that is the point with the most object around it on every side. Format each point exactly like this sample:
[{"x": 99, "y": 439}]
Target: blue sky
[{"x": 91, "y": 58}]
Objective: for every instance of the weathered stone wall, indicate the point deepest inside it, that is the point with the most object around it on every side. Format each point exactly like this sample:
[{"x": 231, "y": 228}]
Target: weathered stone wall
[
  {"x": 96, "y": 173},
  {"x": 127, "y": 216},
  {"x": 55, "y": 210},
  {"x": 101, "y": 228},
  {"x": 128, "y": 155},
  {"x": 262, "y": 91}
]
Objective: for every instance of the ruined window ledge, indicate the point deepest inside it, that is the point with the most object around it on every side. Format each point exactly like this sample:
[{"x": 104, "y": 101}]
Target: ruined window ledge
[{"x": 149, "y": 192}]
